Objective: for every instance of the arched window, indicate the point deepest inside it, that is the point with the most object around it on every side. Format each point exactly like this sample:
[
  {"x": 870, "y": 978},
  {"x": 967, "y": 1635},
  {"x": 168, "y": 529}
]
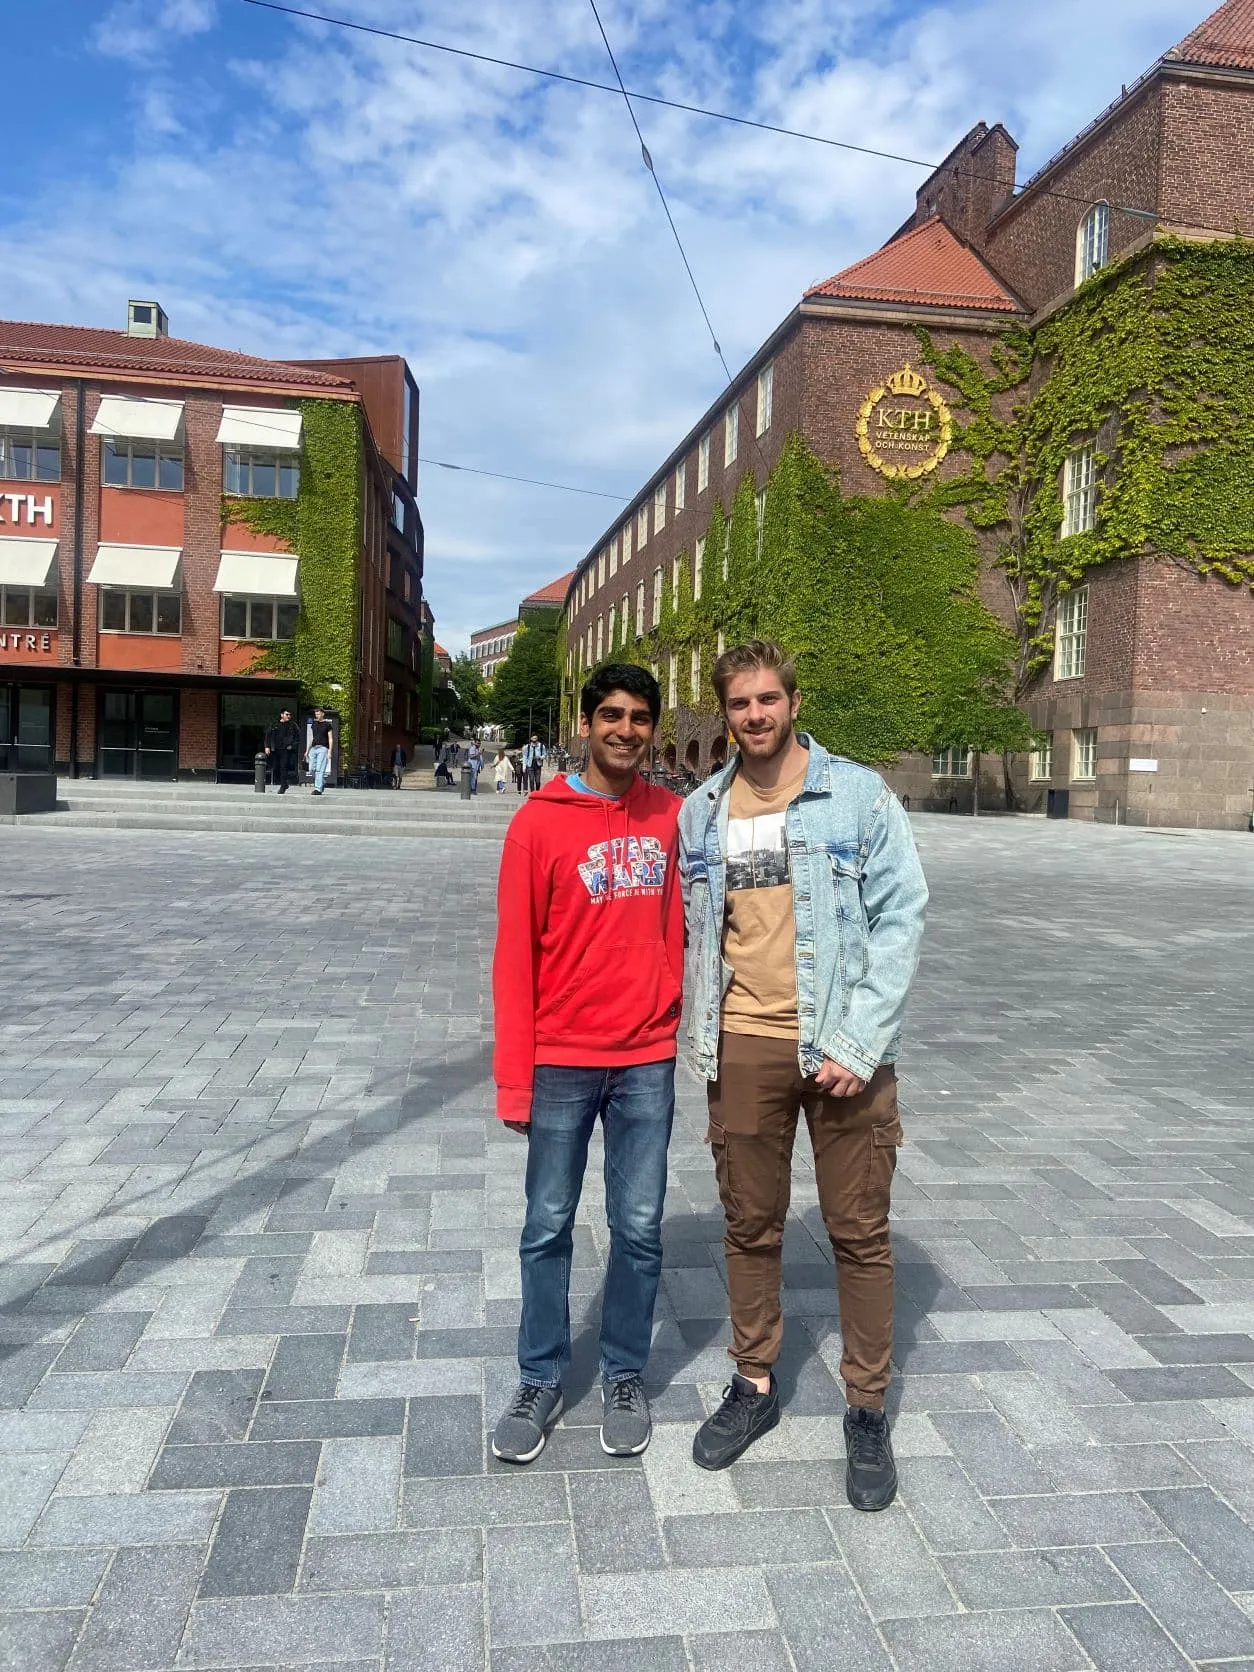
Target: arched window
[{"x": 1092, "y": 242}]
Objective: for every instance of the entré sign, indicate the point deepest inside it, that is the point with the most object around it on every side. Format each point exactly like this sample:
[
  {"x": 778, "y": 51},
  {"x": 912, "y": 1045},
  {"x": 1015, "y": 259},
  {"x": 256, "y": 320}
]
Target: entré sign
[
  {"x": 40, "y": 644},
  {"x": 904, "y": 427}
]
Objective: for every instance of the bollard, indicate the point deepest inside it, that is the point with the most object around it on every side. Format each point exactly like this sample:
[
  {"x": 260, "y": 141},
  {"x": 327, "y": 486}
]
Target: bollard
[
  {"x": 259, "y": 773},
  {"x": 465, "y": 783}
]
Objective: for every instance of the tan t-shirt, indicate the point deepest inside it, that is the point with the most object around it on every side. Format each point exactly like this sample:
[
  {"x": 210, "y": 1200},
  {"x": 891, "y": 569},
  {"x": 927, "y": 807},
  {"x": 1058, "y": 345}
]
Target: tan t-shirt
[{"x": 759, "y": 934}]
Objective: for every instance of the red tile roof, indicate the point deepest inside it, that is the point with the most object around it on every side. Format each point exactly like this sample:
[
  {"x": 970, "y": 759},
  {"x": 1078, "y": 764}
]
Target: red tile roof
[
  {"x": 928, "y": 267},
  {"x": 1225, "y": 39},
  {"x": 87, "y": 348},
  {"x": 553, "y": 593}
]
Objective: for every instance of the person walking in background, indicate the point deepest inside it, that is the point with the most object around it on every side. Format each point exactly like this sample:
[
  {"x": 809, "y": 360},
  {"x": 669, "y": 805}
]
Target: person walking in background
[
  {"x": 500, "y": 771},
  {"x": 586, "y": 984},
  {"x": 319, "y": 749},
  {"x": 805, "y": 903},
  {"x": 519, "y": 771},
  {"x": 474, "y": 760},
  {"x": 533, "y": 761},
  {"x": 399, "y": 759},
  {"x": 282, "y": 747}
]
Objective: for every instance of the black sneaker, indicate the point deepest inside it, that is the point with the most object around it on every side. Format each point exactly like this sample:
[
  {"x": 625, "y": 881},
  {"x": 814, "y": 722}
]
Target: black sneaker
[
  {"x": 626, "y": 1426},
  {"x": 523, "y": 1428},
  {"x": 871, "y": 1474},
  {"x": 743, "y": 1417}
]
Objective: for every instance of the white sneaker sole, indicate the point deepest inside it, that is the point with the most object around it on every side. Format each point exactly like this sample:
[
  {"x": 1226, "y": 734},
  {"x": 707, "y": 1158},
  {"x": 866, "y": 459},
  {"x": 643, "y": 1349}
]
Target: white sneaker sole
[
  {"x": 631, "y": 1451},
  {"x": 530, "y": 1456}
]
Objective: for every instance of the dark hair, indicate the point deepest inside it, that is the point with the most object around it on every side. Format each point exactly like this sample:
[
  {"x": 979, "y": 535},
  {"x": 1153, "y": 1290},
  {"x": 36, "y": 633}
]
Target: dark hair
[{"x": 620, "y": 676}]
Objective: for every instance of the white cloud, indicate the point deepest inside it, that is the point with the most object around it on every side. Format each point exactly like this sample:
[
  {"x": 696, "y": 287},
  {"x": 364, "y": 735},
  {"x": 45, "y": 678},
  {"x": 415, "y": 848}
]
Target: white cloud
[{"x": 340, "y": 193}]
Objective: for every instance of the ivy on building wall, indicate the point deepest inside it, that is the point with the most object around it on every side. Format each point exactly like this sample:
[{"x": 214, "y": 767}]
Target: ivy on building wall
[
  {"x": 877, "y": 599},
  {"x": 322, "y": 525},
  {"x": 1151, "y": 363}
]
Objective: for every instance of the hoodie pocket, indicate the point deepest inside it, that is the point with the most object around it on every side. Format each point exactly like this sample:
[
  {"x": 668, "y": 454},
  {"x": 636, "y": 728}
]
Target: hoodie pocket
[{"x": 618, "y": 993}]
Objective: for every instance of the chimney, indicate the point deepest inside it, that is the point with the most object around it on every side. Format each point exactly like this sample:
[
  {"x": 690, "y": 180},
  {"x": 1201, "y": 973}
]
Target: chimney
[{"x": 146, "y": 319}]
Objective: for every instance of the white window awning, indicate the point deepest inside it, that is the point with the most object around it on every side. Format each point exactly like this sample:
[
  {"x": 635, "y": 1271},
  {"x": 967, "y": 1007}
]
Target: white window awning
[
  {"x": 28, "y": 409},
  {"x": 27, "y": 562},
  {"x": 260, "y": 426},
  {"x": 257, "y": 575},
  {"x": 153, "y": 568},
  {"x": 131, "y": 415}
]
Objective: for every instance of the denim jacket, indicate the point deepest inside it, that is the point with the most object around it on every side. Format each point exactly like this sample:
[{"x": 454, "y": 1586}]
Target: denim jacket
[{"x": 858, "y": 899}]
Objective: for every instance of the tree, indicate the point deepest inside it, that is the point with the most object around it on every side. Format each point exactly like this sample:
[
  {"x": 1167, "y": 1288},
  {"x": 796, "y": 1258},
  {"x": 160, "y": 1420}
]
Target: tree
[
  {"x": 469, "y": 708},
  {"x": 526, "y": 690}
]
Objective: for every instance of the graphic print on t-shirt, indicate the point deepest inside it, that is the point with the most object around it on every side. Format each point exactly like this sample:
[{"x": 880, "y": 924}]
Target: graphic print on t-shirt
[{"x": 757, "y": 853}]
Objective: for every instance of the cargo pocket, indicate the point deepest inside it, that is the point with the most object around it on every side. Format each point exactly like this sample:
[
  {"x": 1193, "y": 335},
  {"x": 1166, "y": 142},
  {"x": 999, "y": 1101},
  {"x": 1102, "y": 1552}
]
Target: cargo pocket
[{"x": 886, "y": 1140}]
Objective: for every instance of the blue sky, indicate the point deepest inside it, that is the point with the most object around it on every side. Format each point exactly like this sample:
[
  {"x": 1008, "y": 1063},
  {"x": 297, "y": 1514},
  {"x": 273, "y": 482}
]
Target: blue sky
[{"x": 296, "y": 191}]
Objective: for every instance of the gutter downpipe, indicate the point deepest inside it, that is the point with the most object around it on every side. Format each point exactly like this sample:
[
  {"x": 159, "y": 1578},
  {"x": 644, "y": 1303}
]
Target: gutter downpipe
[{"x": 80, "y": 442}]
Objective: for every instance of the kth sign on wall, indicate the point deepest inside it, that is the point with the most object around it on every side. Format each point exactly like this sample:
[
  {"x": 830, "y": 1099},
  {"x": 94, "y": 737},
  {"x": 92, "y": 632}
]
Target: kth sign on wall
[{"x": 904, "y": 427}]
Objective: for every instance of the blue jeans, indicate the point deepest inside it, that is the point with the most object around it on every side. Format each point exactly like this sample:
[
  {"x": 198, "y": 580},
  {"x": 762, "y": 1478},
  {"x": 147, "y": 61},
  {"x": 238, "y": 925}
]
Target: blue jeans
[
  {"x": 636, "y": 1106},
  {"x": 319, "y": 761}
]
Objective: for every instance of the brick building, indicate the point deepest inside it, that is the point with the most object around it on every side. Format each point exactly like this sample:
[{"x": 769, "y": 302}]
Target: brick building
[
  {"x": 1148, "y": 707},
  {"x": 489, "y": 646},
  {"x": 191, "y": 538}
]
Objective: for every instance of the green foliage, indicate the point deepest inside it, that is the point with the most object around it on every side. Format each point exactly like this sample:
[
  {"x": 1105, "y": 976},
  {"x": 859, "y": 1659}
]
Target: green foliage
[
  {"x": 526, "y": 687},
  {"x": 1151, "y": 362},
  {"x": 323, "y": 526},
  {"x": 469, "y": 709},
  {"x": 877, "y": 599}
]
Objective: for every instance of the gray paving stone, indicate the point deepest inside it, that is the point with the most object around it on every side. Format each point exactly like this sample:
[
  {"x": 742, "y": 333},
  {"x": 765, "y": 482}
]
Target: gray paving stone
[
  {"x": 676, "y": 1602},
  {"x": 947, "y": 1509},
  {"x": 818, "y": 1607},
  {"x": 1174, "y": 1587},
  {"x": 50, "y": 1578},
  {"x": 165, "y": 1518},
  {"x": 614, "y": 1524},
  {"x": 1034, "y": 1578},
  {"x": 253, "y": 1463},
  {"x": 891, "y": 1565},
  {"x": 305, "y": 1367},
  {"x": 296, "y": 1630},
  {"x": 103, "y": 1341},
  {"x": 487, "y": 1501},
  {"x": 1115, "y": 1468},
  {"x": 141, "y": 1610},
  {"x": 1211, "y": 1531},
  {"x": 1124, "y": 1639},
  {"x": 445, "y": 1437},
  {"x": 1031, "y": 1640},
  {"x": 358, "y": 1489},
  {"x": 649, "y": 1654},
  {"x": 532, "y": 1587},
  {"x": 764, "y": 1651},
  {"x": 441, "y": 1626},
  {"x": 759, "y": 1538},
  {"x": 993, "y": 1459},
  {"x": 1078, "y": 1518},
  {"x": 26, "y": 1484},
  {"x": 328, "y": 1419},
  {"x": 392, "y": 1561},
  {"x": 218, "y": 1405},
  {"x": 41, "y": 1641},
  {"x": 257, "y": 1543}
]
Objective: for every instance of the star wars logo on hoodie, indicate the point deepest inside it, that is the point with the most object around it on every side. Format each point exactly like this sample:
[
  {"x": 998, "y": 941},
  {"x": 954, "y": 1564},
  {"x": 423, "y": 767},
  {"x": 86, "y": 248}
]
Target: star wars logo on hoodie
[{"x": 639, "y": 867}]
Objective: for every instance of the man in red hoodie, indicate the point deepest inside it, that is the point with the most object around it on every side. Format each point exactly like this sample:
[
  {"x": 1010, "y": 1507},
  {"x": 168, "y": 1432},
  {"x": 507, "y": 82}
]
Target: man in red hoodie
[{"x": 586, "y": 983}]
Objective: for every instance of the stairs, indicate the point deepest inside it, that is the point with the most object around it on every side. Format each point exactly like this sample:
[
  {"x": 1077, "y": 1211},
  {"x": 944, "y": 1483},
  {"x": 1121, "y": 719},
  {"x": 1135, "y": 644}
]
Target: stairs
[{"x": 119, "y": 804}]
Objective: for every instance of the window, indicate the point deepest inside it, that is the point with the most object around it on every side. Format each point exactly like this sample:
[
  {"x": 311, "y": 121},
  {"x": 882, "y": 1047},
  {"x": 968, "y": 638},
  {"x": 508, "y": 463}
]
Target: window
[
  {"x": 261, "y": 618},
  {"x": 659, "y": 508},
  {"x": 698, "y": 564},
  {"x": 1043, "y": 760},
  {"x": 614, "y": 555},
  {"x": 130, "y": 463},
  {"x": 696, "y": 673},
  {"x": 1079, "y": 492},
  {"x": 1085, "y": 767},
  {"x": 703, "y": 463},
  {"x": 610, "y": 632},
  {"x": 766, "y": 393},
  {"x": 672, "y": 682},
  {"x": 22, "y": 606},
  {"x": 1092, "y": 242},
  {"x": 731, "y": 435},
  {"x": 587, "y": 649},
  {"x": 726, "y": 549},
  {"x": 235, "y": 463},
  {"x": 389, "y": 702},
  {"x": 396, "y": 640},
  {"x": 759, "y": 516},
  {"x": 30, "y": 455},
  {"x": 140, "y": 612},
  {"x": 601, "y": 571},
  {"x": 657, "y": 597},
  {"x": 951, "y": 763},
  {"x": 600, "y": 638},
  {"x": 642, "y": 527},
  {"x": 627, "y": 543},
  {"x": 681, "y": 485},
  {"x": 722, "y": 642},
  {"x": 640, "y": 610},
  {"x": 625, "y": 619},
  {"x": 675, "y": 584},
  {"x": 1070, "y": 635}
]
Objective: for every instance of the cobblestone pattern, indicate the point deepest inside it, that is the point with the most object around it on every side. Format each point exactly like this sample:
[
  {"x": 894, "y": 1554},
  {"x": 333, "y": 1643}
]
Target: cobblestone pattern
[{"x": 259, "y": 1289}]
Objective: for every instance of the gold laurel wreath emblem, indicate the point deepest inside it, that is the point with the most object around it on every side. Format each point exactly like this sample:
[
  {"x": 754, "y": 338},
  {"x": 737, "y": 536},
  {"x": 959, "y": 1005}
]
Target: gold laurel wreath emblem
[{"x": 899, "y": 472}]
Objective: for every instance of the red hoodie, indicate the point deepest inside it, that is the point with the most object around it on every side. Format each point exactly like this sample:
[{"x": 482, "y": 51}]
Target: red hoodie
[{"x": 588, "y": 970}]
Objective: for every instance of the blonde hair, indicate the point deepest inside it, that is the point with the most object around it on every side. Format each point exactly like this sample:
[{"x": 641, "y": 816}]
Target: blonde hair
[{"x": 747, "y": 658}]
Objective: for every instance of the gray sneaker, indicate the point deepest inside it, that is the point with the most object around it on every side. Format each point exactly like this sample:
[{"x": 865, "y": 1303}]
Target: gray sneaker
[
  {"x": 626, "y": 1427},
  {"x": 523, "y": 1428}
]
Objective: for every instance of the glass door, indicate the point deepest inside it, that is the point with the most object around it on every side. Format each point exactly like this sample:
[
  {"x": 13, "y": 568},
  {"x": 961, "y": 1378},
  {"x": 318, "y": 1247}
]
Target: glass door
[
  {"x": 138, "y": 734},
  {"x": 25, "y": 728}
]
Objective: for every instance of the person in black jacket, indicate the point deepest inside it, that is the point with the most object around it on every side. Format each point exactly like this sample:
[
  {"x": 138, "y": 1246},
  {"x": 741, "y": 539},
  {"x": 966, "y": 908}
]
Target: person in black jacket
[{"x": 282, "y": 749}]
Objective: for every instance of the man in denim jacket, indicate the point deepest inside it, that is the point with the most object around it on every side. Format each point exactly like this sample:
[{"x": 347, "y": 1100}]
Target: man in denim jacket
[{"x": 805, "y": 903}]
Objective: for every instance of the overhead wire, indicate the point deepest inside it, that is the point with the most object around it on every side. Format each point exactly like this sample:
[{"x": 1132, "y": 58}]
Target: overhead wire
[
  {"x": 531, "y": 481},
  {"x": 619, "y": 90}
]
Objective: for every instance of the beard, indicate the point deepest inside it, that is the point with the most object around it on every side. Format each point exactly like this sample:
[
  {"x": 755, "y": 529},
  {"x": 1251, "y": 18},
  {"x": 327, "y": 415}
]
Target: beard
[{"x": 765, "y": 744}]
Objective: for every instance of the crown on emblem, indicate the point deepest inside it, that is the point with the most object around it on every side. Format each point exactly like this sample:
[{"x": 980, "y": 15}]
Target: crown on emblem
[{"x": 907, "y": 382}]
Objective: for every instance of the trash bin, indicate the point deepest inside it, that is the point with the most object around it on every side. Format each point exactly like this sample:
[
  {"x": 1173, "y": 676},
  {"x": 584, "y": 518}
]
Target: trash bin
[
  {"x": 1058, "y": 803},
  {"x": 259, "y": 772},
  {"x": 465, "y": 783}
]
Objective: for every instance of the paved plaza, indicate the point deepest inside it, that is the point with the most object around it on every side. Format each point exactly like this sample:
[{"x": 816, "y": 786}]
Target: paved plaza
[{"x": 259, "y": 1288}]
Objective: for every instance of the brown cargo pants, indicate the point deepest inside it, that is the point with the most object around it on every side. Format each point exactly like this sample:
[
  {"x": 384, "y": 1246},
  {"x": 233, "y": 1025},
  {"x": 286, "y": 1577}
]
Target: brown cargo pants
[{"x": 754, "y": 1105}]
